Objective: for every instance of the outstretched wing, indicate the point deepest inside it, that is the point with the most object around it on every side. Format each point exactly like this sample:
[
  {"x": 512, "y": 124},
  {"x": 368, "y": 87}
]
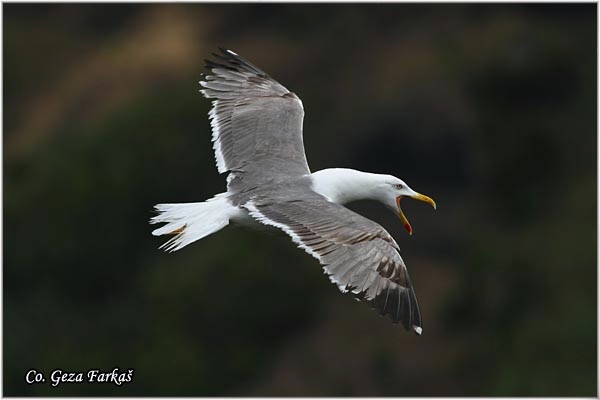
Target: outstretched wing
[
  {"x": 358, "y": 254},
  {"x": 256, "y": 124}
]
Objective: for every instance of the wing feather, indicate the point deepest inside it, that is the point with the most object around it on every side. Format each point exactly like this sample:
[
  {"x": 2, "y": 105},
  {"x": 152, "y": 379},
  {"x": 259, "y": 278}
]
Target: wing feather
[
  {"x": 358, "y": 254},
  {"x": 256, "y": 124}
]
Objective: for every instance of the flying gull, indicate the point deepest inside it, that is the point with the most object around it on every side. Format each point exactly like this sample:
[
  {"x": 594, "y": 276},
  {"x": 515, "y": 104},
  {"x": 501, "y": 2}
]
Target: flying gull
[{"x": 257, "y": 137}]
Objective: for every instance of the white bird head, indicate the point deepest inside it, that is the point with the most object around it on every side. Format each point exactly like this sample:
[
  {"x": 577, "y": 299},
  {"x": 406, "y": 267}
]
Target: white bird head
[
  {"x": 391, "y": 190},
  {"x": 342, "y": 185}
]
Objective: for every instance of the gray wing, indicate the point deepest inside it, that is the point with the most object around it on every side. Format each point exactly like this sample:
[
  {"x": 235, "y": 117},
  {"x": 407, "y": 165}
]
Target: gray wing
[
  {"x": 358, "y": 254},
  {"x": 256, "y": 124}
]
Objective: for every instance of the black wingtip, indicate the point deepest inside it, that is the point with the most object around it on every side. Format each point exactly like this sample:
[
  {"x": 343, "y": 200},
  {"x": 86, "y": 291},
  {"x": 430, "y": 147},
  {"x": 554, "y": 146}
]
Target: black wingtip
[
  {"x": 230, "y": 54},
  {"x": 228, "y": 59},
  {"x": 227, "y": 55},
  {"x": 400, "y": 305}
]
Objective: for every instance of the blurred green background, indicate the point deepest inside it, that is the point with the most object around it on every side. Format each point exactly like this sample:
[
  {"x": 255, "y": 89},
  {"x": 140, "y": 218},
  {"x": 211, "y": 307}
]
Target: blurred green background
[{"x": 490, "y": 109}]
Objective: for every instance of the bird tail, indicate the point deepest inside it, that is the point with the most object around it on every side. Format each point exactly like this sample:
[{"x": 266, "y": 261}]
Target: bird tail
[{"x": 188, "y": 222}]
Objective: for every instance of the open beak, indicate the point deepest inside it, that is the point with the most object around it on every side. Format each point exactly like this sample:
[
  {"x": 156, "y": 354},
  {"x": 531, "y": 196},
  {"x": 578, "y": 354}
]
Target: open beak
[{"x": 416, "y": 196}]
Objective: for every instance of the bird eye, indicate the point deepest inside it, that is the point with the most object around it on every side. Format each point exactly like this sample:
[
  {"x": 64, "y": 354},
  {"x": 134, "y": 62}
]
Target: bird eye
[{"x": 399, "y": 186}]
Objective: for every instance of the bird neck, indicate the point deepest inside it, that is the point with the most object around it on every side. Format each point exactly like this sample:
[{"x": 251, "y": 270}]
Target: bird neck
[{"x": 342, "y": 185}]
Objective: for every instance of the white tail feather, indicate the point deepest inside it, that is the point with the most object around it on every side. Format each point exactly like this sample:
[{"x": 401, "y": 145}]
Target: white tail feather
[{"x": 189, "y": 222}]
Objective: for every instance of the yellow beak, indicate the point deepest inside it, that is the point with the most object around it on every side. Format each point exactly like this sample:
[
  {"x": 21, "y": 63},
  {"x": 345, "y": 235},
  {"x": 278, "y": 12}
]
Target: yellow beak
[{"x": 417, "y": 196}]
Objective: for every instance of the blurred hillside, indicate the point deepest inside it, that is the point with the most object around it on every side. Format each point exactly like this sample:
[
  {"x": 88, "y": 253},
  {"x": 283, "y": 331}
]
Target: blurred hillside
[{"x": 489, "y": 109}]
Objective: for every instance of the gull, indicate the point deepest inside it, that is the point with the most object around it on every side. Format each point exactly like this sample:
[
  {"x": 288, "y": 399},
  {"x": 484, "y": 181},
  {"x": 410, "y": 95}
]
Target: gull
[{"x": 257, "y": 139}]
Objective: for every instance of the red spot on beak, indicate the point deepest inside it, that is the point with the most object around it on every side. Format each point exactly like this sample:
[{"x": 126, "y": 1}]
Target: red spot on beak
[{"x": 402, "y": 216}]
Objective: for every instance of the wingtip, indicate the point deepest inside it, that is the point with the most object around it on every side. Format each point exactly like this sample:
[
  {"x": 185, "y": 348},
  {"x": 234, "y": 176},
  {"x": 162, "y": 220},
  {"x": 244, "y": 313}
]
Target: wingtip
[
  {"x": 226, "y": 51},
  {"x": 233, "y": 53}
]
